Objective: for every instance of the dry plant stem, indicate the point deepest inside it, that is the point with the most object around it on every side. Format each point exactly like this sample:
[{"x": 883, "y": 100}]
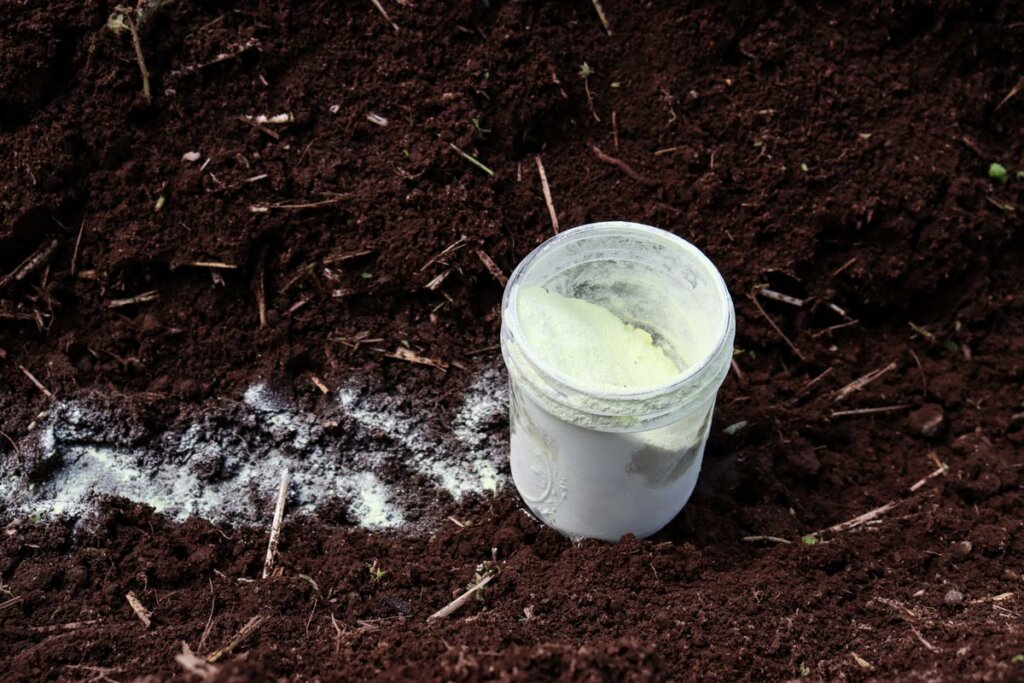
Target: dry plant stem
[
  {"x": 457, "y": 244},
  {"x": 870, "y": 411},
  {"x": 859, "y": 520},
  {"x": 251, "y": 627},
  {"x": 261, "y": 288},
  {"x": 623, "y": 166},
  {"x": 402, "y": 353},
  {"x": 777, "y": 329},
  {"x": 133, "y": 29},
  {"x": 144, "y": 615},
  {"x": 78, "y": 242},
  {"x": 861, "y": 382},
  {"x": 924, "y": 377},
  {"x": 602, "y": 16},
  {"x": 145, "y": 297},
  {"x": 458, "y": 602},
  {"x": 779, "y": 296},
  {"x": 275, "y": 529},
  {"x": 492, "y": 267},
  {"x": 32, "y": 378},
  {"x": 939, "y": 471},
  {"x": 546, "y": 189},
  {"x": 216, "y": 265},
  {"x": 383, "y": 13},
  {"x": 30, "y": 264},
  {"x": 590, "y": 100},
  {"x": 11, "y": 603},
  {"x": 71, "y": 626},
  {"x": 286, "y": 206},
  {"x": 769, "y": 539},
  {"x": 1013, "y": 92}
]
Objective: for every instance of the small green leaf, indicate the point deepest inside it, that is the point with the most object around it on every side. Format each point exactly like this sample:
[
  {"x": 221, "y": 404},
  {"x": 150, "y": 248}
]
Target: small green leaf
[
  {"x": 160, "y": 201},
  {"x": 616, "y": 84},
  {"x": 1017, "y": 659},
  {"x": 864, "y": 136},
  {"x": 366, "y": 276},
  {"x": 804, "y": 168},
  {"x": 809, "y": 539},
  {"x": 997, "y": 171},
  {"x": 585, "y": 70},
  {"x": 951, "y": 345}
]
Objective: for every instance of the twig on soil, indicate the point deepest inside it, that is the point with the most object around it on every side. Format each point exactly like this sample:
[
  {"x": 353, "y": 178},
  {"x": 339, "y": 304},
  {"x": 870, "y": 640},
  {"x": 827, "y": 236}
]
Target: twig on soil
[
  {"x": 78, "y": 242},
  {"x": 601, "y": 15},
  {"x": 457, "y": 244},
  {"x": 859, "y": 520},
  {"x": 777, "y": 329},
  {"x": 778, "y": 296},
  {"x": 32, "y": 378},
  {"x": 939, "y": 471},
  {"x": 472, "y": 159},
  {"x": 843, "y": 267},
  {"x": 402, "y": 353},
  {"x": 615, "y": 130},
  {"x": 71, "y": 626},
  {"x": 492, "y": 267},
  {"x": 222, "y": 57},
  {"x": 11, "y": 603},
  {"x": 861, "y": 382},
  {"x": 832, "y": 328},
  {"x": 380, "y": 8},
  {"x": 769, "y": 539},
  {"x": 585, "y": 73},
  {"x": 261, "y": 287},
  {"x": 546, "y": 189},
  {"x": 931, "y": 648},
  {"x": 286, "y": 206},
  {"x": 216, "y": 265},
  {"x": 1013, "y": 92},
  {"x": 260, "y": 127},
  {"x": 143, "y": 298},
  {"x": 144, "y": 615},
  {"x": 275, "y": 529},
  {"x": 30, "y": 264},
  {"x": 623, "y": 166},
  {"x": 209, "y": 621},
  {"x": 870, "y": 411},
  {"x": 438, "y": 280},
  {"x": 339, "y": 258},
  {"x": 197, "y": 666},
  {"x": 739, "y": 373},
  {"x": 337, "y": 630},
  {"x": 924, "y": 377},
  {"x": 814, "y": 381},
  {"x": 458, "y": 602},
  {"x": 250, "y": 628}
]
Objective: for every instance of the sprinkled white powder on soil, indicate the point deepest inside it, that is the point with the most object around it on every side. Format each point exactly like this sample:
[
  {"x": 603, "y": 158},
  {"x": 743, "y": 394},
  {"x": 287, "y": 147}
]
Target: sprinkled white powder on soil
[{"x": 224, "y": 465}]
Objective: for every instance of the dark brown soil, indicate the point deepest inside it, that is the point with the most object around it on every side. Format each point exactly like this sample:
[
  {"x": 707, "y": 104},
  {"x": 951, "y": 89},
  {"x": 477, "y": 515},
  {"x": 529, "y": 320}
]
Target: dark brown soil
[{"x": 837, "y": 152}]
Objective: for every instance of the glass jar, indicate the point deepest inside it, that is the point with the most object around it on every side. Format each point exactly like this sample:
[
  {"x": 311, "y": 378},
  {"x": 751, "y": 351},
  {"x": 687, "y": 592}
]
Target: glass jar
[{"x": 602, "y": 464}]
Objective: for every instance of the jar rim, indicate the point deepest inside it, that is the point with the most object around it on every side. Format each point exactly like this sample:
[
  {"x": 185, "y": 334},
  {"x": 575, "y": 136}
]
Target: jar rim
[{"x": 510, "y": 313}]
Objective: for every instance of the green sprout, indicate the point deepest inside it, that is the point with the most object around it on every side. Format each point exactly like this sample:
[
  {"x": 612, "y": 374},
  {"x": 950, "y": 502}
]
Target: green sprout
[
  {"x": 997, "y": 171},
  {"x": 131, "y": 19},
  {"x": 5, "y": 590},
  {"x": 805, "y": 168},
  {"x": 480, "y": 574},
  {"x": 377, "y": 573},
  {"x": 1017, "y": 659},
  {"x": 809, "y": 539},
  {"x": 586, "y": 71},
  {"x": 805, "y": 671}
]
